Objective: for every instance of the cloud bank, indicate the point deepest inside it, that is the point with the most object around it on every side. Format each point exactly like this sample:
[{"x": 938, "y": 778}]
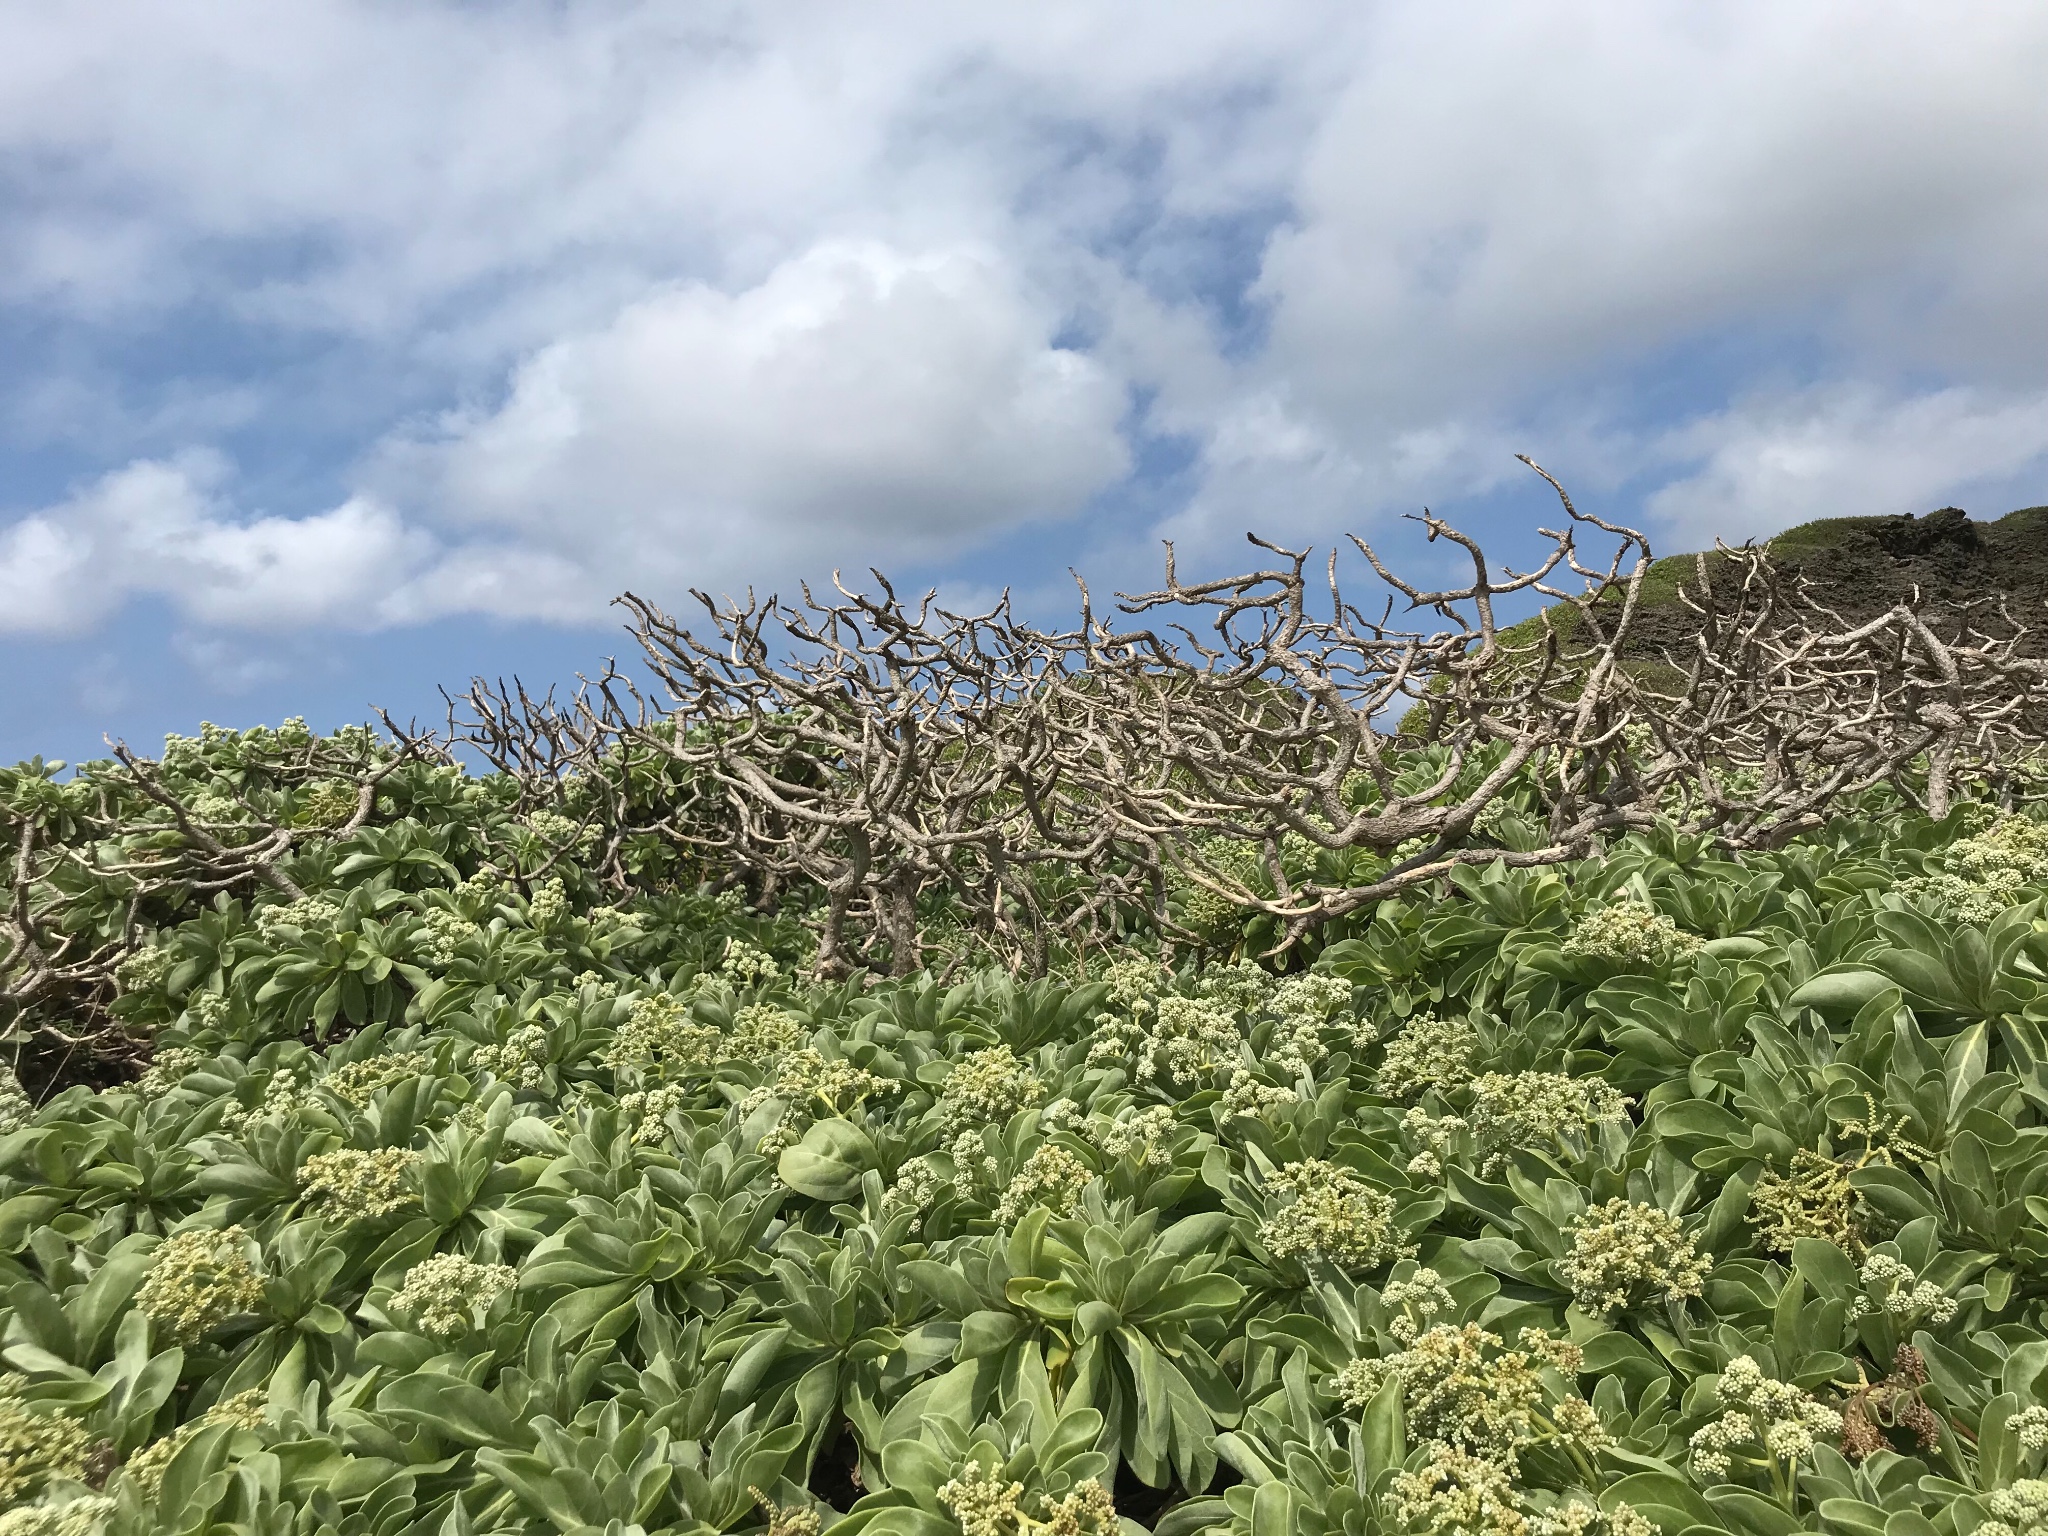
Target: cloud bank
[{"x": 567, "y": 299}]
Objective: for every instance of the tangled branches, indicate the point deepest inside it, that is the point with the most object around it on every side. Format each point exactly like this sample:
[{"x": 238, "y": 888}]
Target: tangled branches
[
  {"x": 918, "y": 764},
  {"x": 1251, "y": 759},
  {"x": 96, "y": 862}
]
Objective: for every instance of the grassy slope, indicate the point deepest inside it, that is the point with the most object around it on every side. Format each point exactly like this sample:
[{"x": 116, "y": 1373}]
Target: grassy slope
[{"x": 1862, "y": 565}]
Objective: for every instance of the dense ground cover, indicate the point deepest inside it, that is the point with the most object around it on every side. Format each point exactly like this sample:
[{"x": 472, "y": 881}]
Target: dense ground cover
[{"x": 450, "y": 1190}]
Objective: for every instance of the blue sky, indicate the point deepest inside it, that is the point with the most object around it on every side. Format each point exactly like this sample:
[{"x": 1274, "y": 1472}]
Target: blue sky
[{"x": 350, "y": 349}]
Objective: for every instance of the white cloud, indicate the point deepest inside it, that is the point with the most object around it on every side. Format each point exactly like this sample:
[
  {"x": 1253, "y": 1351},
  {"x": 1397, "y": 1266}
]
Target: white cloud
[
  {"x": 859, "y": 398},
  {"x": 750, "y": 289},
  {"x": 157, "y": 528},
  {"x": 1510, "y": 197},
  {"x": 1775, "y": 461}
]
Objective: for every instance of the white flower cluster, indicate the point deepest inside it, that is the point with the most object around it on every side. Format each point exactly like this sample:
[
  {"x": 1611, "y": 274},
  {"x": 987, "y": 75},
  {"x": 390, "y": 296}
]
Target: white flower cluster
[
  {"x": 1631, "y": 934},
  {"x": 37, "y": 1445},
  {"x": 285, "y": 1092},
  {"x": 1430, "y": 1136},
  {"x": 1244, "y": 985},
  {"x": 986, "y": 1087},
  {"x": 146, "y": 969},
  {"x": 1304, "y": 1005},
  {"x": 2030, "y": 1427},
  {"x": 1463, "y": 1386},
  {"x": 984, "y": 1502},
  {"x": 285, "y": 921},
  {"x": 918, "y": 1184},
  {"x": 1141, "y": 1135},
  {"x": 1575, "y": 1517},
  {"x": 1429, "y": 1052},
  {"x": 1051, "y": 1176},
  {"x": 810, "y": 1083},
  {"x": 1985, "y": 874},
  {"x": 197, "y": 1281},
  {"x": 660, "y": 1035},
  {"x": 144, "y": 1471},
  {"x": 1333, "y": 1215},
  {"x": 1890, "y": 1286},
  {"x": 1624, "y": 1252},
  {"x": 521, "y": 1059},
  {"x": 1772, "y": 1416},
  {"x": 207, "y": 1010},
  {"x": 166, "y": 1069},
  {"x": 441, "y": 934},
  {"x": 327, "y": 803},
  {"x": 354, "y": 1185},
  {"x": 2019, "y": 1510},
  {"x": 1245, "y": 1097},
  {"x": 1454, "y": 1493},
  {"x": 747, "y": 965},
  {"x": 16, "y": 1107},
  {"x": 1417, "y": 1302},
  {"x": 548, "y": 905},
  {"x": 1189, "y": 1036},
  {"x": 446, "y": 1294},
  {"x": 1524, "y": 1109},
  {"x": 763, "y": 1032},
  {"x": 357, "y": 1082},
  {"x": 557, "y": 830},
  {"x": 648, "y": 1112},
  {"x": 83, "y": 1516},
  {"x": 211, "y": 808}
]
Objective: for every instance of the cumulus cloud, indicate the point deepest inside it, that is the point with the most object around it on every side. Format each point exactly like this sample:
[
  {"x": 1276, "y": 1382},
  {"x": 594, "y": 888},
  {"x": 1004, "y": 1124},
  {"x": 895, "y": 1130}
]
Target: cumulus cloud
[
  {"x": 159, "y": 528},
  {"x": 859, "y": 398},
  {"x": 736, "y": 292},
  {"x": 1775, "y": 461}
]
